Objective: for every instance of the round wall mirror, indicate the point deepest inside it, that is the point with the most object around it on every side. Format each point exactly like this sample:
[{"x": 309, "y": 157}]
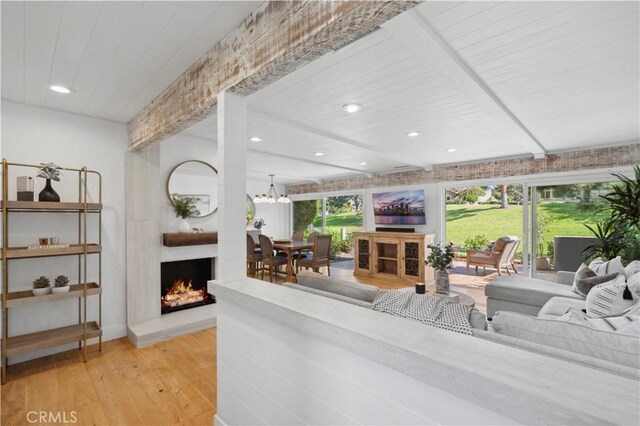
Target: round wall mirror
[
  {"x": 251, "y": 209},
  {"x": 197, "y": 180}
]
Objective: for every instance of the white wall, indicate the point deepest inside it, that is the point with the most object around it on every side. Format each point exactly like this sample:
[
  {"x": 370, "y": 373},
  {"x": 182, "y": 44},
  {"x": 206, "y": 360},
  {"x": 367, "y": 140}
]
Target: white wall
[
  {"x": 34, "y": 135},
  {"x": 181, "y": 148}
]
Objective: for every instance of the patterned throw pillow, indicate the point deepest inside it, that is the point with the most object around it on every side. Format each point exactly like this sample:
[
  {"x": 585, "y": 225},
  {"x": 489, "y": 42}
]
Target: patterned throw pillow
[
  {"x": 609, "y": 299},
  {"x": 585, "y": 279},
  {"x": 626, "y": 323},
  {"x": 602, "y": 267}
]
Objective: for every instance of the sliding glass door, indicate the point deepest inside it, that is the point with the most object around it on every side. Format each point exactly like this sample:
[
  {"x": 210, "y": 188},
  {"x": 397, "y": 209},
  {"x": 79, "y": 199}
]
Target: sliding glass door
[
  {"x": 561, "y": 216},
  {"x": 337, "y": 215}
]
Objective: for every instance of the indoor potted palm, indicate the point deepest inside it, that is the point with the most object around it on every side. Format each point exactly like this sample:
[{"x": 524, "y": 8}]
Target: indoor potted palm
[
  {"x": 439, "y": 258},
  {"x": 184, "y": 208},
  {"x": 49, "y": 171}
]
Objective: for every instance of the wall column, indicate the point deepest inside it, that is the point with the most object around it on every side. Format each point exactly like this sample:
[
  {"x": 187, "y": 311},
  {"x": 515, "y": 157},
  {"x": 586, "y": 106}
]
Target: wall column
[
  {"x": 232, "y": 187},
  {"x": 142, "y": 177}
]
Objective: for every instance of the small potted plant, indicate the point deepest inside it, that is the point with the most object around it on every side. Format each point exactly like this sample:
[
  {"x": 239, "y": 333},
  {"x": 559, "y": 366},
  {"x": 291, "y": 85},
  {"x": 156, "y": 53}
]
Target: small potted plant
[
  {"x": 184, "y": 208},
  {"x": 49, "y": 171},
  {"x": 41, "y": 286},
  {"x": 60, "y": 284},
  {"x": 439, "y": 258}
]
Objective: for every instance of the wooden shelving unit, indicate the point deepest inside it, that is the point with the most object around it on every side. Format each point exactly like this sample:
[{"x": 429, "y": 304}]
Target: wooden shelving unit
[
  {"x": 26, "y": 253},
  {"x": 84, "y": 329}
]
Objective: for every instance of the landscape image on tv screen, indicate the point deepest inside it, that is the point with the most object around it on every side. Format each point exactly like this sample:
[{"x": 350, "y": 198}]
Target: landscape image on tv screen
[{"x": 399, "y": 207}]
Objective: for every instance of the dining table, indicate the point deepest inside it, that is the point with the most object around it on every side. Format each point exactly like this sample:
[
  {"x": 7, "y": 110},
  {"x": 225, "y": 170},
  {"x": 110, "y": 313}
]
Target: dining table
[{"x": 289, "y": 247}]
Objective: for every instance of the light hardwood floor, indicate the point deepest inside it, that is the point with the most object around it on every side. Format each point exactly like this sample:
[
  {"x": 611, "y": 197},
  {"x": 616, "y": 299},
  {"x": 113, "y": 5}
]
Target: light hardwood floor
[{"x": 172, "y": 382}]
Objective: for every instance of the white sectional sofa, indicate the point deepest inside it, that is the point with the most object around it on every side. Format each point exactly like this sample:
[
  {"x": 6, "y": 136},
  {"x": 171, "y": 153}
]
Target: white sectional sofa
[
  {"x": 541, "y": 334},
  {"x": 527, "y": 295}
]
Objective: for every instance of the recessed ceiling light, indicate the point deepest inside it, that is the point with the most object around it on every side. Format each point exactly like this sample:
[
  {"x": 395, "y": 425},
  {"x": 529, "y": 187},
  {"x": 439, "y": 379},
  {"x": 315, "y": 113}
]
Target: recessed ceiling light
[
  {"x": 351, "y": 108},
  {"x": 412, "y": 134},
  {"x": 255, "y": 139},
  {"x": 451, "y": 150},
  {"x": 60, "y": 89},
  {"x": 364, "y": 163},
  {"x": 319, "y": 154}
]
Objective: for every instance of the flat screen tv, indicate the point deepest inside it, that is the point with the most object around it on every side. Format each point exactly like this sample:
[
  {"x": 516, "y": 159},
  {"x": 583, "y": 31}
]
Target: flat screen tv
[{"x": 399, "y": 207}]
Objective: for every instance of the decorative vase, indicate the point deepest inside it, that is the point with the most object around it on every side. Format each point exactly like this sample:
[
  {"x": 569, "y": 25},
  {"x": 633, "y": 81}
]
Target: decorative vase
[
  {"x": 48, "y": 194},
  {"x": 442, "y": 281},
  {"x": 41, "y": 291},
  {"x": 183, "y": 226},
  {"x": 63, "y": 289}
]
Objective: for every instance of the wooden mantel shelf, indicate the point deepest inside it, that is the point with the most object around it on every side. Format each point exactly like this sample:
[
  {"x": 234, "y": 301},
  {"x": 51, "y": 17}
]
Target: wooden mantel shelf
[{"x": 174, "y": 239}]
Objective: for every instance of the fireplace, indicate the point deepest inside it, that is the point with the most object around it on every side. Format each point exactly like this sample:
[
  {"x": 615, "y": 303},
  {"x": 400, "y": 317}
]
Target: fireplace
[{"x": 183, "y": 284}]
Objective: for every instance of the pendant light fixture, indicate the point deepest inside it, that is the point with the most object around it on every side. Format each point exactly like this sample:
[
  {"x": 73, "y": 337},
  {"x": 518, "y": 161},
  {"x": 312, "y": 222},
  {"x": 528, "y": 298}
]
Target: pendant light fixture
[{"x": 271, "y": 196}]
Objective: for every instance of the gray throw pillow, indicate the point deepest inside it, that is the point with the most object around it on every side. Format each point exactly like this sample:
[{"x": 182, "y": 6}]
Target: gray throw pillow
[{"x": 586, "y": 279}]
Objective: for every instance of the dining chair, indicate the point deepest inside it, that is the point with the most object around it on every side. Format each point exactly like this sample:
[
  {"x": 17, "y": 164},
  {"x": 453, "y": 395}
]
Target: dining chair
[
  {"x": 268, "y": 259},
  {"x": 310, "y": 239},
  {"x": 321, "y": 255},
  {"x": 297, "y": 236},
  {"x": 253, "y": 258}
]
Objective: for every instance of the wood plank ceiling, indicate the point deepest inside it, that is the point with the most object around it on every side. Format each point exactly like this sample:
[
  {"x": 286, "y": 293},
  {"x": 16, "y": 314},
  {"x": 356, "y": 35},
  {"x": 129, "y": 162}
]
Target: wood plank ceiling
[
  {"x": 565, "y": 72},
  {"x": 116, "y": 56}
]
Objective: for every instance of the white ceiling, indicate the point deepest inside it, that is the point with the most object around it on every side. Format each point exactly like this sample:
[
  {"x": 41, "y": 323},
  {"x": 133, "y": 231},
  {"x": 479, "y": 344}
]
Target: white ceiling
[
  {"x": 556, "y": 76},
  {"x": 491, "y": 79},
  {"x": 117, "y": 56}
]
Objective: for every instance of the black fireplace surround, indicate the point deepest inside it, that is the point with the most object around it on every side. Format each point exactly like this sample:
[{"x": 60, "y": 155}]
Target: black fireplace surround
[{"x": 195, "y": 271}]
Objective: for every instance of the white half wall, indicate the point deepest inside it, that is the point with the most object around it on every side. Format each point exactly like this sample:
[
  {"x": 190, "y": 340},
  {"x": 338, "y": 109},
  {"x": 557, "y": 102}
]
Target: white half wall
[
  {"x": 291, "y": 357},
  {"x": 34, "y": 135}
]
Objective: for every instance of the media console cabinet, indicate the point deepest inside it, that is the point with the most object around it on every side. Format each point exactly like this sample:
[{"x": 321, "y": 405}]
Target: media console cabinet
[{"x": 393, "y": 255}]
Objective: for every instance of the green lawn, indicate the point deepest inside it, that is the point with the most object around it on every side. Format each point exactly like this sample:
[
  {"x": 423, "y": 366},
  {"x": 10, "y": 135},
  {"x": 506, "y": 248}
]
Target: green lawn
[
  {"x": 464, "y": 221},
  {"x": 349, "y": 220}
]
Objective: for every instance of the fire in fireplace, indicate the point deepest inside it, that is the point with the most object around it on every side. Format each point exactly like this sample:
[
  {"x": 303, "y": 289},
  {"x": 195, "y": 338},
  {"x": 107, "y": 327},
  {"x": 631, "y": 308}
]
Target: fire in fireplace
[
  {"x": 184, "y": 284},
  {"x": 180, "y": 294}
]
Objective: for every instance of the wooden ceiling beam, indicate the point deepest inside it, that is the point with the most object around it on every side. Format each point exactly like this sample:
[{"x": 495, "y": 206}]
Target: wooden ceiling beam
[{"x": 276, "y": 39}]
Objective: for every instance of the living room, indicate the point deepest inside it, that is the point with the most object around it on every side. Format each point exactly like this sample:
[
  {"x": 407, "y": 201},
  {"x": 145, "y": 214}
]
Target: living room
[{"x": 332, "y": 98}]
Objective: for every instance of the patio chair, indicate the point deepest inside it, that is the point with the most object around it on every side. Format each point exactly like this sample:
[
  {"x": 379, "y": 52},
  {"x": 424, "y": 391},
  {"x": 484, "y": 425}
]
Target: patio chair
[
  {"x": 268, "y": 259},
  {"x": 253, "y": 258},
  {"x": 321, "y": 255},
  {"x": 499, "y": 256}
]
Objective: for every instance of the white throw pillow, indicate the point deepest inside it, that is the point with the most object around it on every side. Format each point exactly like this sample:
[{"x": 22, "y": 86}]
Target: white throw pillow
[
  {"x": 600, "y": 267},
  {"x": 632, "y": 268},
  {"x": 633, "y": 282},
  {"x": 607, "y": 299}
]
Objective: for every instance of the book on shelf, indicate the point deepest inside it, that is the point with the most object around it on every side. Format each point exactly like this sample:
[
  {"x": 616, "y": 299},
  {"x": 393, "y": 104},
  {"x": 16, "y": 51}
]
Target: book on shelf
[{"x": 48, "y": 246}]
